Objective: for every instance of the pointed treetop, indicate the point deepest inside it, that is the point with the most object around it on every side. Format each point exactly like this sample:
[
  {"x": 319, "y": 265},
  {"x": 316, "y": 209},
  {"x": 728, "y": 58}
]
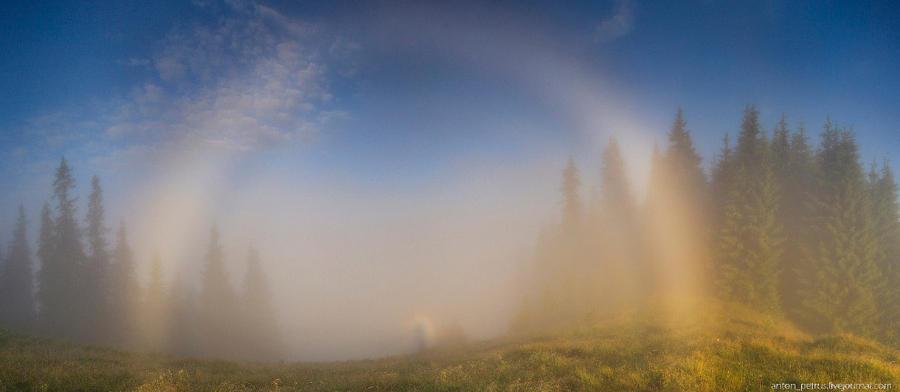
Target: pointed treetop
[
  {"x": 63, "y": 183},
  {"x": 569, "y": 188}
]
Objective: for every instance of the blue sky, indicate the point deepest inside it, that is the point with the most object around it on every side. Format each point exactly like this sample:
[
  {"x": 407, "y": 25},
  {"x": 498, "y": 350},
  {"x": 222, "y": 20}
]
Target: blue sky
[{"x": 395, "y": 95}]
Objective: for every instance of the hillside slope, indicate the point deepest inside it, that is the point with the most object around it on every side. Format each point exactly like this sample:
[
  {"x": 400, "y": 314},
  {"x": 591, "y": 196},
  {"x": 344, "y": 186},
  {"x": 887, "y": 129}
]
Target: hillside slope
[{"x": 741, "y": 352}]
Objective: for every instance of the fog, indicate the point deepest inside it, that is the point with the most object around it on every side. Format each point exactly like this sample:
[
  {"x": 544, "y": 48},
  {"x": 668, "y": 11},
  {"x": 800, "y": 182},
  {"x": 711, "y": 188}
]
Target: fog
[
  {"x": 359, "y": 264},
  {"x": 351, "y": 266}
]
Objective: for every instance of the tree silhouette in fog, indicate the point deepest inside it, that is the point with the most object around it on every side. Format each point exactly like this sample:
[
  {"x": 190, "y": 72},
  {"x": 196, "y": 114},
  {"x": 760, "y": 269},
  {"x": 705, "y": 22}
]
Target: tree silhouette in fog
[
  {"x": 96, "y": 273},
  {"x": 778, "y": 227},
  {"x": 261, "y": 329},
  {"x": 124, "y": 292},
  {"x": 218, "y": 304},
  {"x": 749, "y": 242},
  {"x": 88, "y": 292},
  {"x": 61, "y": 280},
  {"x": 17, "y": 304},
  {"x": 843, "y": 277}
]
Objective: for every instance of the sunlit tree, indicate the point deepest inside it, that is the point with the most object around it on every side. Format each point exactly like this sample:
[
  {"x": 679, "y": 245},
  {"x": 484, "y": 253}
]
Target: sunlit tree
[
  {"x": 841, "y": 273},
  {"x": 796, "y": 184},
  {"x": 749, "y": 239},
  {"x": 886, "y": 228}
]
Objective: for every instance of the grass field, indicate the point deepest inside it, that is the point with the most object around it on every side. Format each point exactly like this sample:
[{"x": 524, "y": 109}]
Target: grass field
[{"x": 741, "y": 352}]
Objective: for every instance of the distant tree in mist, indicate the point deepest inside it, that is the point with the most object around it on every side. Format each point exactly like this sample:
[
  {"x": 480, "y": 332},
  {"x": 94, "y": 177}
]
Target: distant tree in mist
[
  {"x": 96, "y": 293},
  {"x": 617, "y": 229},
  {"x": 124, "y": 292},
  {"x": 572, "y": 203},
  {"x": 561, "y": 285},
  {"x": 17, "y": 304},
  {"x": 841, "y": 275},
  {"x": 722, "y": 180},
  {"x": 260, "y": 332},
  {"x": 795, "y": 173},
  {"x": 61, "y": 278},
  {"x": 675, "y": 217},
  {"x": 153, "y": 313},
  {"x": 749, "y": 241},
  {"x": 683, "y": 161},
  {"x": 217, "y": 301},
  {"x": 183, "y": 323},
  {"x": 90, "y": 293},
  {"x": 783, "y": 229},
  {"x": 47, "y": 270},
  {"x": 886, "y": 223}
]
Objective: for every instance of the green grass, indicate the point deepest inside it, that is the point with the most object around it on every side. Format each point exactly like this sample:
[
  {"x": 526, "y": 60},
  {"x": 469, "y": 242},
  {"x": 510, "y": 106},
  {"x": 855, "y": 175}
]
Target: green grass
[{"x": 741, "y": 352}]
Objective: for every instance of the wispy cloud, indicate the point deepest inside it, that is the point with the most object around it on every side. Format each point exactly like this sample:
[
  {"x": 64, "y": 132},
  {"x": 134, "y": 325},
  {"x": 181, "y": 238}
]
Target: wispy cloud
[
  {"x": 253, "y": 78},
  {"x": 618, "y": 25}
]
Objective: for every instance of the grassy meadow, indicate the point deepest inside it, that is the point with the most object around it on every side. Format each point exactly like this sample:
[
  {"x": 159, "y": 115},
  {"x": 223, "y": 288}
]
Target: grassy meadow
[{"x": 741, "y": 352}]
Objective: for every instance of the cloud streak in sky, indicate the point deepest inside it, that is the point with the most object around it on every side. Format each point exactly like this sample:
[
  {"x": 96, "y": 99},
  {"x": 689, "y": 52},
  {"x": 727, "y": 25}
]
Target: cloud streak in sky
[
  {"x": 618, "y": 25},
  {"x": 254, "y": 78}
]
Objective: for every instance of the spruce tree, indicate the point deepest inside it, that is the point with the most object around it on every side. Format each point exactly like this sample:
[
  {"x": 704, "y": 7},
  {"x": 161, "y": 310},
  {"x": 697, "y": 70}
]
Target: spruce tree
[
  {"x": 125, "y": 292},
  {"x": 154, "y": 313},
  {"x": 781, "y": 150},
  {"x": 261, "y": 329},
  {"x": 749, "y": 239},
  {"x": 48, "y": 270},
  {"x": 723, "y": 176},
  {"x": 682, "y": 218},
  {"x": 886, "y": 223},
  {"x": 749, "y": 244},
  {"x": 63, "y": 309},
  {"x": 17, "y": 305},
  {"x": 217, "y": 301},
  {"x": 572, "y": 205},
  {"x": 683, "y": 161},
  {"x": 841, "y": 272},
  {"x": 96, "y": 280},
  {"x": 618, "y": 247},
  {"x": 615, "y": 190},
  {"x": 791, "y": 164},
  {"x": 182, "y": 330}
]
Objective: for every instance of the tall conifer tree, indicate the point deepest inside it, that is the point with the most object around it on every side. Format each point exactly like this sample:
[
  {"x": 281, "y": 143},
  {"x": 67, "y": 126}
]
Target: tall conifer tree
[
  {"x": 17, "y": 305},
  {"x": 261, "y": 328},
  {"x": 96, "y": 279},
  {"x": 217, "y": 300},
  {"x": 618, "y": 247},
  {"x": 154, "y": 314},
  {"x": 63, "y": 309},
  {"x": 749, "y": 240},
  {"x": 841, "y": 268},
  {"x": 572, "y": 204},
  {"x": 886, "y": 222},
  {"x": 125, "y": 291}
]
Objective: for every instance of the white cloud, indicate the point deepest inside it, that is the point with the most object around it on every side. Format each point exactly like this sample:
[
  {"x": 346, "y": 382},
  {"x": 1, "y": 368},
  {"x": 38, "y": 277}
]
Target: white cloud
[
  {"x": 253, "y": 78},
  {"x": 619, "y": 24}
]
